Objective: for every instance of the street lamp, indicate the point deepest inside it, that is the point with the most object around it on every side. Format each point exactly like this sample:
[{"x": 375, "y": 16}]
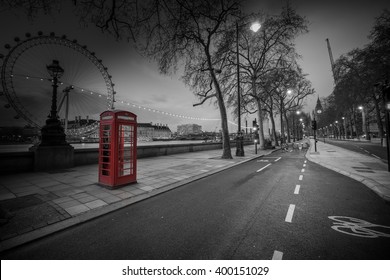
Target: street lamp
[
  {"x": 345, "y": 128},
  {"x": 53, "y": 133},
  {"x": 318, "y": 110},
  {"x": 294, "y": 128},
  {"x": 239, "y": 140},
  {"x": 363, "y": 121},
  {"x": 336, "y": 124}
]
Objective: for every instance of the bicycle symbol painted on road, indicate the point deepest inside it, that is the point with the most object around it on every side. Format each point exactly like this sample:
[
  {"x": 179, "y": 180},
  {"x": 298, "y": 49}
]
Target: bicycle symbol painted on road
[{"x": 360, "y": 228}]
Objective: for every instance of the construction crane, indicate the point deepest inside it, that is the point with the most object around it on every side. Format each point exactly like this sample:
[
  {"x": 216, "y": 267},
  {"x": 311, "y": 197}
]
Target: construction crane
[{"x": 331, "y": 61}]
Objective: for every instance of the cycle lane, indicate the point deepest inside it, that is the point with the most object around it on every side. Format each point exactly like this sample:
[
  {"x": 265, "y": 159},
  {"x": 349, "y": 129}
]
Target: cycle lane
[
  {"x": 325, "y": 219},
  {"x": 295, "y": 221},
  {"x": 269, "y": 226}
]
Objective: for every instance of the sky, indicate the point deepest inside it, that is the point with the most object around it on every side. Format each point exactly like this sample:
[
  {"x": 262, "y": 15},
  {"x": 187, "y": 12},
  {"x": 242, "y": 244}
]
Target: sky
[{"x": 137, "y": 80}]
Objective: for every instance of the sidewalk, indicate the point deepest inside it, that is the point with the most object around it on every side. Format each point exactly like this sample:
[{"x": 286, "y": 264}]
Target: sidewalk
[
  {"x": 33, "y": 205},
  {"x": 368, "y": 170}
]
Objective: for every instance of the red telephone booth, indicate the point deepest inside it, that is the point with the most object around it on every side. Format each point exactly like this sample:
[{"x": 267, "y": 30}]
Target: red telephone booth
[{"x": 117, "y": 148}]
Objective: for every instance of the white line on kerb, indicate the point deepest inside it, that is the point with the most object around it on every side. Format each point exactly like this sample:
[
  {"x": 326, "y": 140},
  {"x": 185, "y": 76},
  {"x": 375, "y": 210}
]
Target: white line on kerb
[
  {"x": 263, "y": 167},
  {"x": 375, "y": 156},
  {"x": 303, "y": 170},
  {"x": 290, "y": 213},
  {"x": 277, "y": 255},
  {"x": 297, "y": 187},
  {"x": 300, "y": 177}
]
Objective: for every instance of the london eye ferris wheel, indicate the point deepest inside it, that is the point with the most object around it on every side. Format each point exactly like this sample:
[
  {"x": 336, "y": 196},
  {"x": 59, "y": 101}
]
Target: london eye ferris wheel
[{"x": 85, "y": 88}]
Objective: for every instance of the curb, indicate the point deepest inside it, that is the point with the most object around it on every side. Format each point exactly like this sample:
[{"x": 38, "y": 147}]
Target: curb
[{"x": 98, "y": 212}]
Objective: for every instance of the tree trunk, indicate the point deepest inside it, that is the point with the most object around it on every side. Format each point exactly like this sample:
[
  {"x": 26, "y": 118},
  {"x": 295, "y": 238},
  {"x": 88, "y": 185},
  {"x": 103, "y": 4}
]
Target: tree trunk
[
  {"x": 260, "y": 115},
  {"x": 281, "y": 123},
  {"x": 261, "y": 127},
  {"x": 378, "y": 117},
  {"x": 287, "y": 127},
  {"x": 226, "y": 148},
  {"x": 273, "y": 127}
]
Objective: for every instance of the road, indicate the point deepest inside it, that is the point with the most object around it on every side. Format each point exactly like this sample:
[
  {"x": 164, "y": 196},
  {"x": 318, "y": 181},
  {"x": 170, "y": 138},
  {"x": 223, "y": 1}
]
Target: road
[
  {"x": 366, "y": 148},
  {"x": 276, "y": 207}
]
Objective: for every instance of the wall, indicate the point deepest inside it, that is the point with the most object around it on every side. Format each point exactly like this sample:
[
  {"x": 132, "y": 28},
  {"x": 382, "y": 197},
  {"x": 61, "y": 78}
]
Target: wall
[{"x": 24, "y": 161}]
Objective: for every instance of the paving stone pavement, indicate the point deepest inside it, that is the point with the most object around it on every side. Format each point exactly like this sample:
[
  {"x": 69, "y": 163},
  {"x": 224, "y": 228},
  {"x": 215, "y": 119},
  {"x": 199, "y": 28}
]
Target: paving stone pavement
[
  {"x": 366, "y": 169},
  {"x": 33, "y": 205}
]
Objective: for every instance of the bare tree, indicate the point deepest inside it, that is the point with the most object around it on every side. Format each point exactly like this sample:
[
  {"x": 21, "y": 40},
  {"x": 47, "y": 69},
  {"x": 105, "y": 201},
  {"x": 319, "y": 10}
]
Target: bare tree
[
  {"x": 262, "y": 51},
  {"x": 178, "y": 34}
]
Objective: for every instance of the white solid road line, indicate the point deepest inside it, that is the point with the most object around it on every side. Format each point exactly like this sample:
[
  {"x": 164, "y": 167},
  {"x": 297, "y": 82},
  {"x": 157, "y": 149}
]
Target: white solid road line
[
  {"x": 297, "y": 187},
  {"x": 277, "y": 255},
  {"x": 300, "y": 177},
  {"x": 290, "y": 213},
  {"x": 263, "y": 167}
]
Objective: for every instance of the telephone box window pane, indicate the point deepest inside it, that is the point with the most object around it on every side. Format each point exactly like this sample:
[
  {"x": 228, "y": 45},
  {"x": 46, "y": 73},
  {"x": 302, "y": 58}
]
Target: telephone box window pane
[{"x": 125, "y": 141}]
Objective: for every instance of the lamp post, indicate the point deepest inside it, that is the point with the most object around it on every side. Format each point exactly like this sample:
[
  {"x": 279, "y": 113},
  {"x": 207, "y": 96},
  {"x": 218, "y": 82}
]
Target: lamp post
[
  {"x": 363, "y": 121},
  {"x": 53, "y": 133},
  {"x": 239, "y": 139},
  {"x": 256, "y": 135},
  {"x": 336, "y": 124},
  {"x": 331, "y": 130},
  {"x": 297, "y": 113},
  {"x": 345, "y": 128},
  {"x": 318, "y": 110}
]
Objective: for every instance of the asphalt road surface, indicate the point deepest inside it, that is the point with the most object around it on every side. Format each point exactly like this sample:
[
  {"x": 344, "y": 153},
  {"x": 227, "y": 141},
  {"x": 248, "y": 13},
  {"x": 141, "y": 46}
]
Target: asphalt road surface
[{"x": 275, "y": 207}]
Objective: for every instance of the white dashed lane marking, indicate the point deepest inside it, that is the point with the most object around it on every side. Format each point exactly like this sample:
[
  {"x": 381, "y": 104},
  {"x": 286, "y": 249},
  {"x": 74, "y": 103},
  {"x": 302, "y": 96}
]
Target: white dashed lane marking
[
  {"x": 277, "y": 255},
  {"x": 290, "y": 213},
  {"x": 263, "y": 167},
  {"x": 297, "y": 187},
  {"x": 300, "y": 177}
]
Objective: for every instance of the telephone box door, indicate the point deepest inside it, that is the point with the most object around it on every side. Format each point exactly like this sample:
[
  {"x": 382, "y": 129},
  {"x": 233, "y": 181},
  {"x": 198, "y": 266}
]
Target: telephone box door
[{"x": 117, "y": 148}]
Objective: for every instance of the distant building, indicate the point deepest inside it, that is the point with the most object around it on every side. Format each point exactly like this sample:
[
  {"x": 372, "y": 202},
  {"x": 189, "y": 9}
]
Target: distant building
[
  {"x": 78, "y": 122},
  {"x": 149, "y": 131},
  {"x": 186, "y": 129}
]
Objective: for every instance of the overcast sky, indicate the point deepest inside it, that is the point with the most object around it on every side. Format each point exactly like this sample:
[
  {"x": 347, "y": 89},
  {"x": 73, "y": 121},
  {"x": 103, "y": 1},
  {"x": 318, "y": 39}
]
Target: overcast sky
[{"x": 346, "y": 24}]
